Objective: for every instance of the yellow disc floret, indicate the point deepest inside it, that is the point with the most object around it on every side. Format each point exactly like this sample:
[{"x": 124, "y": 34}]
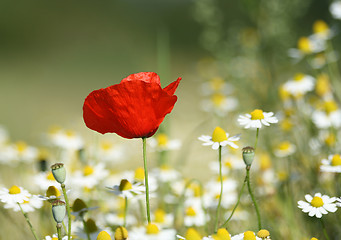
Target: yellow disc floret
[
  {"x": 320, "y": 27},
  {"x": 52, "y": 191},
  {"x": 217, "y": 99},
  {"x": 125, "y": 185},
  {"x": 336, "y": 160},
  {"x": 322, "y": 85},
  {"x": 192, "y": 234},
  {"x": 304, "y": 45},
  {"x": 159, "y": 216},
  {"x": 50, "y": 176},
  {"x": 249, "y": 235},
  {"x": 190, "y": 212},
  {"x": 317, "y": 202},
  {"x": 219, "y": 135},
  {"x": 21, "y": 146},
  {"x": 103, "y": 235},
  {"x": 313, "y": 238},
  {"x": 88, "y": 170},
  {"x": 298, "y": 77},
  {"x": 105, "y": 145},
  {"x": 223, "y": 234},
  {"x": 162, "y": 139},
  {"x": 139, "y": 174},
  {"x": 330, "y": 106},
  {"x": 14, "y": 190},
  {"x": 121, "y": 233},
  {"x": 257, "y": 114},
  {"x": 217, "y": 83},
  {"x": 263, "y": 233},
  {"x": 54, "y": 238},
  {"x": 330, "y": 140},
  {"x": 152, "y": 229}
]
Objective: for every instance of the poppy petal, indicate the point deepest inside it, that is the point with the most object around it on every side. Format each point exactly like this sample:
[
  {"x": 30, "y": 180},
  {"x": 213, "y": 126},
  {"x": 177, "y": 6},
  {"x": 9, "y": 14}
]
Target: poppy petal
[
  {"x": 148, "y": 77},
  {"x": 171, "y": 88}
]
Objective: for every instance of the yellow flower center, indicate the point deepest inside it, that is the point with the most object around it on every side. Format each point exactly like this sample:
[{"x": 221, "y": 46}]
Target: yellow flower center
[
  {"x": 313, "y": 238},
  {"x": 317, "y": 202},
  {"x": 139, "y": 174},
  {"x": 162, "y": 139},
  {"x": 70, "y": 133},
  {"x": 330, "y": 106},
  {"x": 263, "y": 233},
  {"x": 223, "y": 234},
  {"x": 257, "y": 114},
  {"x": 282, "y": 175},
  {"x": 265, "y": 161},
  {"x": 152, "y": 229},
  {"x": 88, "y": 170},
  {"x": 121, "y": 233},
  {"x": 160, "y": 216},
  {"x": 249, "y": 235},
  {"x": 14, "y": 190},
  {"x": 304, "y": 45},
  {"x": 284, "y": 146},
  {"x": 196, "y": 189},
  {"x": 217, "y": 99},
  {"x": 54, "y": 129},
  {"x": 125, "y": 185},
  {"x": 52, "y": 191},
  {"x": 106, "y": 146},
  {"x": 218, "y": 178},
  {"x": 336, "y": 160},
  {"x": 21, "y": 146},
  {"x": 217, "y": 196},
  {"x": 298, "y": 77},
  {"x": 320, "y": 27},
  {"x": 103, "y": 235},
  {"x": 217, "y": 83},
  {"x": 286, "y": 124},
  {"x": 219, "y": 135},
  {"x": 283, "y": 93},
  {"x": 54, "y": 238},
  {"x": 165, "y": 167},
  {"x": 322, "y": 85},
  {"x": 330, "y": 140},
  {"x": 190, "y": 212},
  {"x": 192, "y": 234},
  {"x": 50, "y": 176},
  {"x": 228, "y": 164}
]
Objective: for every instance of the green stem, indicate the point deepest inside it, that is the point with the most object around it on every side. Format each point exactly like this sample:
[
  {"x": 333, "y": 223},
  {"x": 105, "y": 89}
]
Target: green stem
[
  {"x": 235, "y": 207},
  {"x": 324, "y": 229},
  {"x": 256, "y": 139},
  {"x": 253, "y": 198},
  {"x": 68, "y": 211},
  {"x": 146, "y": 178},
  {"x": 28, "y": 222},
  {"x": 59, "y": 231},
  {"x": 125, "y": 211},
  {"x": 86, "y": 229},
  {"x": 221, "y": 193},
  {"x": 64, "y": 227}
]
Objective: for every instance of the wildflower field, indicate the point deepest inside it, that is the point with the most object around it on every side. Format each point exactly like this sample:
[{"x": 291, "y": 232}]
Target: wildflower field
[{"x": 170, "y": 119}]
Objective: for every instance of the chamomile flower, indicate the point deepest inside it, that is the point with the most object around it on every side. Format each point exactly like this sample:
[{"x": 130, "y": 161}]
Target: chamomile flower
[
  {"x": 284, "y": 149},
  {"x": 14, "y": 195},
  {"x": 44, "y": 180},
  {"x": 248, "y": 235},
  {"x": 24, "y": 152},
  {"x": 108, "y": 151},
  {"x": 166, "y": 174},
  {"x": 118, "y": 219},
  {"x": 335, "y": 9},
  {"x": 228, "y": 163},
  {"x": 263, "y": 234},
  {"x": 257, "y": 118},
  {"x": 34, "y": 202},
  {"x": 321, "y": 30},
  {"x": 194, "y": 216},
  {"x": 65, "y": 139},
  {"x": 299, "y": 85},
  {"x": 191, "y": 234},
  {"x": 90, "y": 175},
  {"x": 219, "y": 104},
  {"x": 161, "y": 142},
  {"x": 151, "y": 232},
  {"x": 52, "y": 193},
  {"x": 328, "y": 116},
  {"x": 216, "y": 85},
  {"x": 219, "y": 138},
  {"x": 318, "y": 205},
  {"x": 332, "y": 164},
  {"x": 222, "y": 234},
  {"x": 306, "y": 46},
  {"x": 127, "y": 189},
  {"x": 55, "y": 237}
]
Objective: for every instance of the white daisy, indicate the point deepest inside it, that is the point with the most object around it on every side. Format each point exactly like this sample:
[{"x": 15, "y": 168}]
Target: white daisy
[
  {"x": 118, "y": 219},
  {"x": 90, "y": 176},
  {"x": 306, "y": 46},
  {"x": 328, "y": 116},
  {"x": 219, "y": 138},
  {"x": 161, "y": 142},
  {"x": 195, "y": 216},
  {"x": 299, "y": 85},
  {"x": 55, "y": 237},
  {"x": 163, "y": 219},
  {"x": 24, "y": 153},
  {"x": 222, "y": 233},
  {"x": 166, "y": 174},
  {"x": 248, "y": 235},
  {"x": 151, "y": 232},
  {"x": 108, "y": 151},
  {"x": 191, "y": 233},
  {"x": 127, "y": 189},
  {"x": 34, "y": 202},
  {"x": 216, "y": 85},
  {"x": 219, "y": 104},
  {"x": 257, "y": 118},
  {"x": 335, "y": 9},
  {"x": 318, "y": 205},
  {"x": 65, "y": 139},
  {"x": 284, "y": 149},
  {"x": 52, "y": 193},
  {"x": 332, "y": 164},
  {"x": 14, "y": 195},
  {"x": 230, "y": 162},
  {"x": 45, "y": 180}
]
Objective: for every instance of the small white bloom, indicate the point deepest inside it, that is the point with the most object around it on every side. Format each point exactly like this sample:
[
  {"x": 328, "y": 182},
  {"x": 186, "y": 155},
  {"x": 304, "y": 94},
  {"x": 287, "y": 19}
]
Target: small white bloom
[
  {"x": 90, "y": 176},
  {"x": 14, "y": 195},
  {"x": 299, "y": 85},
  {"x": 219, "y": 138},
  {"x": 34, "y": 202},
  {"x": 284, "y": 149},
  {"x": 161, "y": 142},
  {"x": 328, "y": 116},
  {"x": 335, "y": 9},
  {"x": 318, "y": 205},
  {"x": 151, "y": 232},
  {"x": 55, "y": 237},
  {"x": 65, "y": 139},
  {"x": 245, "y": 236},
  {"x": 219, "y": 104},
  {"x": 126, "y": 189},
  {"x": 332, "y": 164},
  {"x": 257, "y": 118}
]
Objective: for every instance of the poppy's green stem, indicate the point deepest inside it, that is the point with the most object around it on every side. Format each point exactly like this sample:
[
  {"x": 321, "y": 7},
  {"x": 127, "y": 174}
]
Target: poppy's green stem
[
  {"x": 68, "y": 211},
  {"x": 221, "y": 193},
  {"x": 324, "y": 229},
  {"x": 86, "y": 230},
  {"x": 146, "y": 178},
  {"x": 253, "y": 198},
  {"x": 28, "y": 222},
  {"x": 125, "y": 211},
  {"x": 59, "y": 231},
  {"x": 257, "y": 133},
  {"x": 235, "y": 207}
]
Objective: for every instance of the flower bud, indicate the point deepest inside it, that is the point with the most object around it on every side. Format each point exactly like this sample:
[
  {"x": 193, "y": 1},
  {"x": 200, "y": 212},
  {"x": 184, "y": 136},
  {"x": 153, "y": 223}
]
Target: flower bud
[
  {"x": 58, "y": 210},
  {"x": 121, "y": 233},
  {"x": 248, "y": 155},
  {"x": 59, "y": 172}
]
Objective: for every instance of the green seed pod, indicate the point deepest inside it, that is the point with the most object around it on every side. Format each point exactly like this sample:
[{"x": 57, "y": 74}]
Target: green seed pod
[
  {"x": 248, "y": 155},
  {"x": 59, "y": 172},
  {"x": 58, "y": 210}
]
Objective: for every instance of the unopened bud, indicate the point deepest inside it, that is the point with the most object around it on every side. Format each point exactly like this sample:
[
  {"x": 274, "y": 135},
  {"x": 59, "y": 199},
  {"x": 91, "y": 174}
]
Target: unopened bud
[
  {"x": 58, "y": 210},
  {"x": 59, "y": 172},
  {"x": 248, "y": 155}
]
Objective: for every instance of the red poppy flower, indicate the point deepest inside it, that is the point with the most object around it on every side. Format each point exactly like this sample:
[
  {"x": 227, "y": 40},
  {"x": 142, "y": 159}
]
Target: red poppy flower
[{"x": 134, "y": 108}]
